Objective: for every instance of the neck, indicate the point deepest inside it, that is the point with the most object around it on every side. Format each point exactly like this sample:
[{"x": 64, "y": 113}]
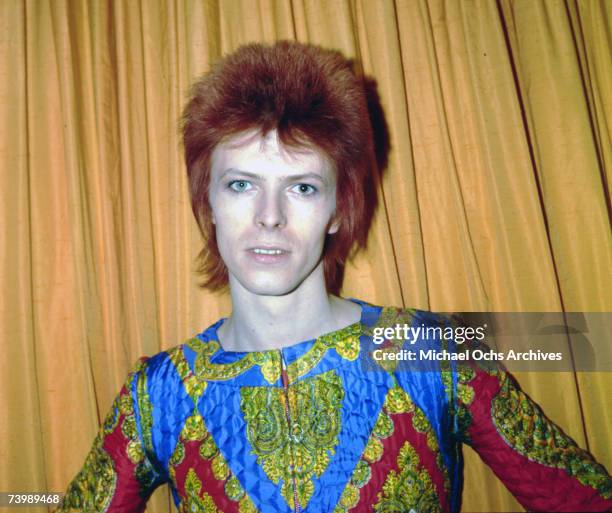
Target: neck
[{"x": 260, "y": 323}]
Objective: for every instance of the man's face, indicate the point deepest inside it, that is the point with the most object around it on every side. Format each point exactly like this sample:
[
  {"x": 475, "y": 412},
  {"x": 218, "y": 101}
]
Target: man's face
[{"x": 272, "y": 208}]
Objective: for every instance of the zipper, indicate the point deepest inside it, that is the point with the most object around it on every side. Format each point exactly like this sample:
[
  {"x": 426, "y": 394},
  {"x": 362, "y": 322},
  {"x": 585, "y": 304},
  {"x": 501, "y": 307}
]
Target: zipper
[{"x": 285, "y": 379}]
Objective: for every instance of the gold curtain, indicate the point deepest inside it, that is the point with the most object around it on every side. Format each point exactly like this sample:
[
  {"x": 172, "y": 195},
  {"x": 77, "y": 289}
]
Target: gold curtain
[{"x": 496, "y": 194}]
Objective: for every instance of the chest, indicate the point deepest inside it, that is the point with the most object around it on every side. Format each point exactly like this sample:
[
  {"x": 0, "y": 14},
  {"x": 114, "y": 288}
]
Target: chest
[{"x": 338, "y": 441}]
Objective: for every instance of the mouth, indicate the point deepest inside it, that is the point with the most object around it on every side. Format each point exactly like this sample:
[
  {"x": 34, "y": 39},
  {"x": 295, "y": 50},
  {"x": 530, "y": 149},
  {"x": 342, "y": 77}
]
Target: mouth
[
  {"x": 268, "y": 255},
  {"x": 262, "y": 251}
]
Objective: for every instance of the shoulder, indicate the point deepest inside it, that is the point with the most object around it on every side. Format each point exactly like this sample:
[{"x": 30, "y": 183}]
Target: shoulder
[
  {"x": 175, "y": 363},
  {"x": 400, "y": 319}
]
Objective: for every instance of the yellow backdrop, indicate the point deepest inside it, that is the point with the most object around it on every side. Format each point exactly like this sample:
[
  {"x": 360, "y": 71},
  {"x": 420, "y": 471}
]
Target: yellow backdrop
[{"x": 494, "y": 198}]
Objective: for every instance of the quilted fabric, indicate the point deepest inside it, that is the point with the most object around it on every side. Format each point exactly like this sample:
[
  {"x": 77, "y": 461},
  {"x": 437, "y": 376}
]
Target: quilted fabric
[{"x": 320, "y": 426}]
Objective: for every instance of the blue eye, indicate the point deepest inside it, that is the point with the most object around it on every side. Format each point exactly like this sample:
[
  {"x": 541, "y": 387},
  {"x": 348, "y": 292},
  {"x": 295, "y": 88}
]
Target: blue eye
[
  {"x": 239, "y": 185},
  {"x": 304, "y": 189}
]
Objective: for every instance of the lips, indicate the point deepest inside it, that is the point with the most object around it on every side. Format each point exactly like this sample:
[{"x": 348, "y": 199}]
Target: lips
[
  {"x": 262, "y": 251},
  {"x": 268, "y": 254}
]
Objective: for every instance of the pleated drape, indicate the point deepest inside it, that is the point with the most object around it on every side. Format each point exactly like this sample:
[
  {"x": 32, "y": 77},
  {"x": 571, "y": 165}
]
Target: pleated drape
[{"x": 496, "y": 195}]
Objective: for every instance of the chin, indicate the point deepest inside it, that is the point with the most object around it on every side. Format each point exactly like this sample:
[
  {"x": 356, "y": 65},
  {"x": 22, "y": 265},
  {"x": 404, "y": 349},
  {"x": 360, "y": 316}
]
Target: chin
[{"x": 269, "y": 287}]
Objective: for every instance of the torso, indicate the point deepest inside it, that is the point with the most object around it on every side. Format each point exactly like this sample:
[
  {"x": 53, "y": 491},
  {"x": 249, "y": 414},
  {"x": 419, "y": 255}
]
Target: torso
[{"x": 305, "y": 428}]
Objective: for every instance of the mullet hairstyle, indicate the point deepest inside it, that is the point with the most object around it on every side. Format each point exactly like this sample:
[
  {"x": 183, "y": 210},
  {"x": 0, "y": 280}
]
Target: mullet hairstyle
[{"x": 313, "y": 98}]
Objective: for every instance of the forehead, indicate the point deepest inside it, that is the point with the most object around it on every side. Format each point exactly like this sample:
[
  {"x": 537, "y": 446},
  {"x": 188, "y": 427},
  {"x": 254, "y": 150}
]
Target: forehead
[{"x": 252, "y": 153}]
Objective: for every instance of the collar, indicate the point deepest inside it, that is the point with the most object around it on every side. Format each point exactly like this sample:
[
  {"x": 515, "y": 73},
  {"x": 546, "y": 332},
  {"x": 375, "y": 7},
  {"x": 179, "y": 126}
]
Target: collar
[{"x": 211, "y": 362}]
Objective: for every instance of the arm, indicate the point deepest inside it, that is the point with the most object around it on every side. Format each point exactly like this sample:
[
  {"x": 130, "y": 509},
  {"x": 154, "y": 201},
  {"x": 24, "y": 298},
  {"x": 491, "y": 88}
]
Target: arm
[
  {"x": 117, "y": 475},
  {"x": 543, "y": 468}
]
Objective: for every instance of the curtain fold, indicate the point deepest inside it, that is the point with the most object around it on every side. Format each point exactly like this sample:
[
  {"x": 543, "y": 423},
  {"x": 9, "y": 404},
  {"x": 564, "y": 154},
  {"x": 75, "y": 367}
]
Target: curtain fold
[{"x": 495, "y": 196}]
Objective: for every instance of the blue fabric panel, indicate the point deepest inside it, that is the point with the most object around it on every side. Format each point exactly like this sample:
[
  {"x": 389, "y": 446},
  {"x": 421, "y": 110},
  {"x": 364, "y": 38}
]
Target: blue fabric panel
[
  {"x": 423, "y": 382},
  {"x": 171, "y": 406},
  {"x": 364, "y": 397},
  {"x": 220, "y": 408}
]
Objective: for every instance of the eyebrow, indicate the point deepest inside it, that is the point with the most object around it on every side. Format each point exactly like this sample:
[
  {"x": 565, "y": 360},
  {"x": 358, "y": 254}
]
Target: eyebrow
[{"x": 304, "y": 176}]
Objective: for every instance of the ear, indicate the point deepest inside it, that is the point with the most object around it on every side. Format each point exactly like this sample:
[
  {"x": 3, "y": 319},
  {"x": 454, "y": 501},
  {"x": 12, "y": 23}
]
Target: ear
[{"x": 334, "y": 226}]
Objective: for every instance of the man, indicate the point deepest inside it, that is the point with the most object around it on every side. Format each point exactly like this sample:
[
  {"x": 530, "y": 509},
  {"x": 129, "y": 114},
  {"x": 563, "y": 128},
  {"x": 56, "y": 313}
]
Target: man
[{"x": 280, "y": 407}]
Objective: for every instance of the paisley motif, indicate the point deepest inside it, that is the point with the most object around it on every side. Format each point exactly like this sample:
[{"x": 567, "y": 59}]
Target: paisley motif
[
  {"x": 397, "y": 401},
  {"x": 112, "y": 419},
  {"x": 344, "y": 341},
  {"x": 195, "y": 387},
  {"x": 268, "y": 361},
  {"x": 194, "y": 430},
  {"x": 294, "y": 453},
  {"x": 525, "y": 428},
  {"x": 145, "y": 410},
  {"x": 196, "y": 502},
  {"x": 409, "y": 488},
  {"x": 465, "y": 396},
  {"x": 94, "y": 486}
]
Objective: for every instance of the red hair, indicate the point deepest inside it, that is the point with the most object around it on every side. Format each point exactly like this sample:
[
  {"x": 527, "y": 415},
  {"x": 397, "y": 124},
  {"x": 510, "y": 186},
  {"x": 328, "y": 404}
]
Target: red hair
[{"x": 312, "y": 98}]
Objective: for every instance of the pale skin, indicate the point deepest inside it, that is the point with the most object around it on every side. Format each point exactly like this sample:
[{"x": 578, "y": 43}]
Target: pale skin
[{"x": 272, "y": 209}]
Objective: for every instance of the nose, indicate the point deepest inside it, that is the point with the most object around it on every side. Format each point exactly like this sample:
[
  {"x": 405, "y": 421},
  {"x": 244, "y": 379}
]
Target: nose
[{"x": 270, "y": 212}]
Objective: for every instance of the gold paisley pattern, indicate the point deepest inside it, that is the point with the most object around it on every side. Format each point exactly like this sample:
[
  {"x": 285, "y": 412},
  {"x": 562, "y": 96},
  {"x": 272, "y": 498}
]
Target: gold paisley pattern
[
  {"x": 268, "y": 361},
  {"x": 112, "y": 419},
  {"x": 390, "y": 316},
  {"x": 397, "y": 401},
  {"x": 196, "y": 502},
  {"x": 525, "y": 428},
  {"x": 194, "y": 430},
  {"x": 195, "y": 387},
  {"x": 421, "y": 424},
  {"x": 409, "y": 488},
  {"x": 316, "y": 402},
  {"x": 94, "y": 486},
  {"x": 136, "y": 448},
  {"x": 344, "y": 341},
  {"x": 465, "y": 397}
]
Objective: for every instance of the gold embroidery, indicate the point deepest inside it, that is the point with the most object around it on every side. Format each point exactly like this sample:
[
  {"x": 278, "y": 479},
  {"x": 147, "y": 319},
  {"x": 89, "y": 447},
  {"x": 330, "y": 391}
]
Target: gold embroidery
[
  {"x": 421, "y": 424},
  {"x": 269, "y": 362},
  {"x": 465, "y": 396},
  {"x": 409, "y": 488},
  {"x": 194, "y": 428},
  {"x": 145, "y": 410},
  {"x": 195, "y": 387},
  {"x": 208, "y": 448},
  {"x": 246, "y": 506},
  {"x": 345, "y": 342},
  {"x": 135, "y": 452},
  {"x": 350, "y": 497},
  {"x": 525, "y": 428},
  {"x": 128, "y": 427},
  {"x": 94, "y": 486},
  {"x": 233, "y": 489},
  {"x": 397, "y": 401},
  {"x": 177, "y": 456},
  {"x": 219, "y": 468},
  {"x": 193, "y": 501},
  {"x": 389, "y": 317},
  {"x": 299, "y": 452}
]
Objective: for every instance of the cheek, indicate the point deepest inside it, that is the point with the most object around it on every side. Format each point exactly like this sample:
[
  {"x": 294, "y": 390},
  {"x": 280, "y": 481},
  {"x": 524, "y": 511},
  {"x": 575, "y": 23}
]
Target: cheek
[
  {"x": 227, "y": 213},
  {"x": 313, "y": 228},
  {"x": 226, "y": 225}
]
